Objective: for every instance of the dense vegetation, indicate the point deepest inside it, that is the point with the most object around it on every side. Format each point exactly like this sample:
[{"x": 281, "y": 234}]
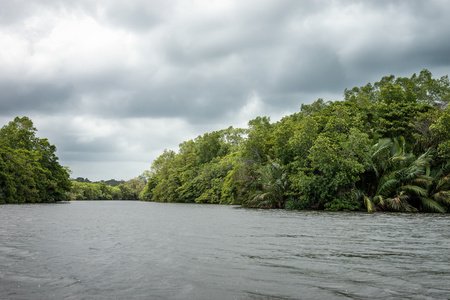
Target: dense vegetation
[
  {"x": 106, "y": 190},
  {"x": 111, "y": 182},
  {"x": 29, "y": 168},
  {"x": 386, "y": 146}
]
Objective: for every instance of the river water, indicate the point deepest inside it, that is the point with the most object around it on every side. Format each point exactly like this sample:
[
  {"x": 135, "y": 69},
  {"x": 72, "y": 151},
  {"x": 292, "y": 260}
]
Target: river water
[{"x": 140, "y": 250}]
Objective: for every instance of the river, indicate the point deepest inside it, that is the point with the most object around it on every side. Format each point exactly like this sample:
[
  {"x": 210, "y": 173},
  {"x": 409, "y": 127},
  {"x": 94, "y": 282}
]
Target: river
[{"x": 140, "y": 250}]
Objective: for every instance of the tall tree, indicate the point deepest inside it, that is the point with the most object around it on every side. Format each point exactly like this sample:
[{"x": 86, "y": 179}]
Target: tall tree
[{"x": 31, "y": 171}]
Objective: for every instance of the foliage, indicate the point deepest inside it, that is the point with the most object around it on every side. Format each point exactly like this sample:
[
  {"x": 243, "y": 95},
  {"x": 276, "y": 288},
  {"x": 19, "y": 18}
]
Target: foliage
[
  {"x": 270, "y": 187},
  {"x": 438, "y": 198},
  {"x": 384, "y": 147},
  {"x": 129, "y": 190},
  {"x": 29, "y": 168},
  {"x": 441, "y": 131},
  {"x": 346, "y": 203},
  {"x": 406, "y": 182},
  {"x": 259, "y": 143}
]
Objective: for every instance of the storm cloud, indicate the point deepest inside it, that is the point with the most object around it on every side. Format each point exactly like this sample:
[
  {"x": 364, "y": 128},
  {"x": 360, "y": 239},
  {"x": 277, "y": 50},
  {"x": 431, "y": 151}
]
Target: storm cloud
[{"x": 114, "y": 83}]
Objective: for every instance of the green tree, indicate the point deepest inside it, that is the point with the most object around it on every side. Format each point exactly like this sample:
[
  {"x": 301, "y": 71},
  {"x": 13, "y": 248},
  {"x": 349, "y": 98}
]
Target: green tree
[
  {"x": 441, "y": 131},
  {"x": 259, "y": 144},
  {"x": 323, "y": 154},
  {"x": 210, "y": 180},
  {"x": 147, "y": 192},
  {"x": 270, "y": 187},
  {"x": 210, "y": 146},
  {"x": 435, "y": 92},
  {"x": 136, "y": 186},
  {"x": 422, "y": 88},
  {"x": 406, "y": 183},
  {"x": 438, "y": 199},
  {"x": 284, "y": 132},
  {"x": 423, "y": 135},
  {"x": 394, "y": 119},
  {"x": 19, "y": 134},
  {"x": 31, "y": 171},
  {"x": 18, "y": 174},
  {"x": 403, "y": 181}
]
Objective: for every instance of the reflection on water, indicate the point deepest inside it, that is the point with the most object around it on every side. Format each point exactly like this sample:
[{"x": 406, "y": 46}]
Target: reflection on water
[{"x": 137, "y": 250}]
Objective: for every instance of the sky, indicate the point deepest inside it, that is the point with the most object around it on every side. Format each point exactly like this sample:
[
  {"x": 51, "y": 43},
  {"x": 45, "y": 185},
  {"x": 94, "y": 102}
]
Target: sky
[{"x": 113, "y": 83}]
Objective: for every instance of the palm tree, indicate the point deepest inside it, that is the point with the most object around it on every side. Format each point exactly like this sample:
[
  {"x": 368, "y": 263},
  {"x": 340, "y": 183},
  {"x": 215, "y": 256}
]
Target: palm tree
[
  {"x": 270, "y": 187},
  {"x": 438, "y": 199},
  {"x": 403, "y": 181}
]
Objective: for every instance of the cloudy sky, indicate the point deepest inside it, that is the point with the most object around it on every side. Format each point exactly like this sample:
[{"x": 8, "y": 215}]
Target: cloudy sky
[{"x": 113, "y": 83}]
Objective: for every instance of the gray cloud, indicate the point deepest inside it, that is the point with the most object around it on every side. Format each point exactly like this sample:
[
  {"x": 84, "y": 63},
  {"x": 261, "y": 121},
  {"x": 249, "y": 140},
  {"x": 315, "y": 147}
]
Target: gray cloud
[
  {"x": 17, "y": 97},
  {"x": 122, "y": 80},
  {"x": 138, "y": 15}
]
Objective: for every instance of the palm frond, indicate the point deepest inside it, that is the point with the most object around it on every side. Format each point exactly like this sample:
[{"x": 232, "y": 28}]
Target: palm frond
[
  {"x": 269, "y": 187},
  {"x": 431, "y": 206},
  {"x": 442, "y": 197},
  {"x": 413, "y": 172},
  {"x": 369, "y": 204},
  {"x": 400, "y": 203},
  {"x": 399, "y": 158},
  {"x": 424, "y": 160},
  {"x": 414, "y": 190},
  {"x": 443, "y": 183},
  {"x": 423, "y": 181},
  {"x": 388, "y": 186},
  {"x": 381, "y": 153},
  {"x": 382, "y": 148},
  {"x": 379, "y": 201},
  {"x": 397, "y": 148}
]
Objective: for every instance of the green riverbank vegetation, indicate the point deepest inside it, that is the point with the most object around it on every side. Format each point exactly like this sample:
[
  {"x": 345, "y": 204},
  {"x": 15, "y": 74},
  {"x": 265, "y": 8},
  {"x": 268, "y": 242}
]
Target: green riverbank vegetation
[
  {"x": 29, "y": 169},
  {"x": 107, "y": 190},
  {"x": 30, "y": 172},
  {"x": 385, "y": 147}
]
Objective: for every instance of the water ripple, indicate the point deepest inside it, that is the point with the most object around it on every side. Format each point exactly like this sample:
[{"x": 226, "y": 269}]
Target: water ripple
[{"x": 136, "y": 250}]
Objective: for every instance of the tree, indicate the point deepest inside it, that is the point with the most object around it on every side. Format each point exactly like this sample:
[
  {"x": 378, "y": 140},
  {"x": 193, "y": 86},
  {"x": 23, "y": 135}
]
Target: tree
[
  {"x": 31, "y": 171},
  {"x": 210, "y": 180},
  {"x": 435, "y": 92},
  {"x": 136, "y": 186},
  {"x": 441, "y": 130},
  {"x": 270, "y": 187},
  {"x": 376, "y": 148},
  {"x": 438, "y": 199},
  {"x": 210, "y": 146},
  {"x": 402, "y": 180},
  {"x": 336, "y": 164},
  {"x": 422, "y": 88},
  {"x": 19, "y": 134},
  {"x": 330, "y": 160},
  {"x": 259, "y": 143},
  {"x": 147, "y": 192},
  {"x": 394, "y": 119},
  {"x": 398, "y": 189},
  {"x": 19, "y": 174},
  {"x": 423, "y": 134}
]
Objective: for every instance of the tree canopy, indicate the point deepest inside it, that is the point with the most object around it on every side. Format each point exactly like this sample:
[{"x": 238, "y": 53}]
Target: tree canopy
[
  {"x": 29, "y": 168},
  {"x": 84, "y": 189},
  {"x": 385, "y": 146}
]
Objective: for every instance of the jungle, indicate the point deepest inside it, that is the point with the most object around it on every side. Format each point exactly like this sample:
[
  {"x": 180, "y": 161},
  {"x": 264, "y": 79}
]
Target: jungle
[{"x": 384, "y": 147}]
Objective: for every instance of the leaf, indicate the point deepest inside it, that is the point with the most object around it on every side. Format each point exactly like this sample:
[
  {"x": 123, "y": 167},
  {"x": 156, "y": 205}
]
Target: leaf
[
  {"x": 369, "y": 204},
  {"x": 415, "y": 190},
  {"x": 431, "y": 206}
]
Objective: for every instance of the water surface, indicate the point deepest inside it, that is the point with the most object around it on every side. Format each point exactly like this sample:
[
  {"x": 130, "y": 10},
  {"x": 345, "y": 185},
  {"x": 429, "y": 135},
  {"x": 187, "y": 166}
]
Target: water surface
[{"x": 139, "y": 250}]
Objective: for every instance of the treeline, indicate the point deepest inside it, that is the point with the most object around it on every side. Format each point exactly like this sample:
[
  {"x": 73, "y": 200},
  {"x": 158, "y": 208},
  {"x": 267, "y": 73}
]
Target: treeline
[
  {"x": 106, "y": 190},
  {"x": 29, "y": 169},
  {"x": 385, "y": 147},
  {"x": 111, "y": 182}
]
